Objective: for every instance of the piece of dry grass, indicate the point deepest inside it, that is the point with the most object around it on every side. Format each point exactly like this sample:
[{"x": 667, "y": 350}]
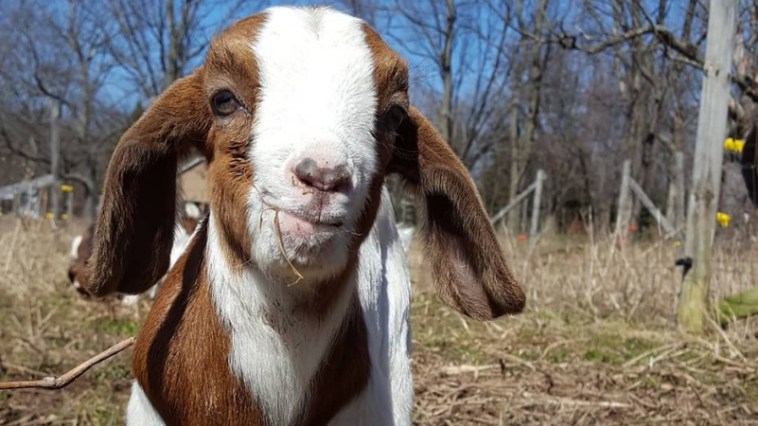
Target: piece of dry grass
[{"x": 299, "y": 276}]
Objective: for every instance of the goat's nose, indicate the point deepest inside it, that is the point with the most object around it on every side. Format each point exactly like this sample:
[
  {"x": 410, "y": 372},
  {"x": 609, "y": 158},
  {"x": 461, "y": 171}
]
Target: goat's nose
[{"x": 329, "y": 179}]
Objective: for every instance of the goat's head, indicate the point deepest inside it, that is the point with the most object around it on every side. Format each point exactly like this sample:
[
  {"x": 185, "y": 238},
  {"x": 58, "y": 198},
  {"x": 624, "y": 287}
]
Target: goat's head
[{"x": 301, "y": 113}]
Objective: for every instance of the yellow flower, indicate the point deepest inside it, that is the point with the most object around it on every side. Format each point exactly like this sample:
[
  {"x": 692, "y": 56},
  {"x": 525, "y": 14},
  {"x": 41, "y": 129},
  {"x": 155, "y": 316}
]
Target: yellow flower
[
  {"x": 49, "y": 215},
  {"x": 67, "y": 188},
  {"x": 734, "y": 145},
  {"x": 64, "y": 216},
  {"x": 723, "y": 219}
]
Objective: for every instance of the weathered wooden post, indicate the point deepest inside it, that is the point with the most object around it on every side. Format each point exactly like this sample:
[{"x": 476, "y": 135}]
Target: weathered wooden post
[
  {"x": 70, "y": 205},
  {"x": 624, "y": 213},
  {"x": 536, "y": 207},
  {"x": 711, "y": 130},
  {"x": 55, "y": 149}
]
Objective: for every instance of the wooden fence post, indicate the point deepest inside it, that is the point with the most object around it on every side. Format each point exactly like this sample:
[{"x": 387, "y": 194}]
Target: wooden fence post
[
  {"x": 624, "y": 213},
  {"x": 55, "y": 148},
  {"x": 711, "y": 131},
  {"x": 536, "y": 207}
]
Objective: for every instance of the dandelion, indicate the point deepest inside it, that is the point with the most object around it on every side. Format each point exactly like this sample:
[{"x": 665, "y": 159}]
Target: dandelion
[
  {"x": 734, "y": 145},
  {"x": 723, "y": 219}
]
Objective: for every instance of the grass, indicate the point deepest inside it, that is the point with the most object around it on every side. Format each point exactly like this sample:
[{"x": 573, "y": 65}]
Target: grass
[{"x": 596, "y": 345}]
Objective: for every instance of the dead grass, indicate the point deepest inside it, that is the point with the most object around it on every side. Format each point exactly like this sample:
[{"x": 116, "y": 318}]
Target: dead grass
[{"x": 597, "y": 344}]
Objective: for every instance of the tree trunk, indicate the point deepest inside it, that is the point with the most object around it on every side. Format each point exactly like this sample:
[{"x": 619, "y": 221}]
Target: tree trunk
[
  {"x": 522, "y": 142},
  {"x": 446, "y": 58},
  {"x": 675, "y": 199}
]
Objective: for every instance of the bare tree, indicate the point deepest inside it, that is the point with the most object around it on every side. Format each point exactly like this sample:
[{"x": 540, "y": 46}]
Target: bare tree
[
  {"x": 526, "y": 90},
  {"x": 462, "y": 46},
  {"x": 160, "y": 41},
  {"x": 62, "y": 58}
]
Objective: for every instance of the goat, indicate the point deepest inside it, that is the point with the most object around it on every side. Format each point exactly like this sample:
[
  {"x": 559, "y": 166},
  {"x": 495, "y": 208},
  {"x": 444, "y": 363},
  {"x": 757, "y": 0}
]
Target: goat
[
  {"x": 290, "y": 305},
  {"x": 82, "y": 245},
  {"x": 81, "y": 250}
]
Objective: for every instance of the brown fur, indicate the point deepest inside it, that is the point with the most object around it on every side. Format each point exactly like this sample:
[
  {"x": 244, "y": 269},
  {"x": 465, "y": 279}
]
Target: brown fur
[
  {"x": 470, "y": 272},
  {"x": 230, "y": 174},
  {"x": 181, "y": 355},
  {"x": 180, "y": 358},
  {"x": 135, "y": 226},
  {"x": 183, "y": 315},
  {"x": 344, "y": 372},
  {"x": 188, "y": 224},
  {"x": 468, "y": 266}
]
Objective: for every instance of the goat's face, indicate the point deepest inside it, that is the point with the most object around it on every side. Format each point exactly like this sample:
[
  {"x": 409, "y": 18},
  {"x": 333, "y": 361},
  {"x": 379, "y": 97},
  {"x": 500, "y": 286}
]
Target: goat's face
[
  {"x": 301, "y": 113},
  {"x": 298, "y": 113}
]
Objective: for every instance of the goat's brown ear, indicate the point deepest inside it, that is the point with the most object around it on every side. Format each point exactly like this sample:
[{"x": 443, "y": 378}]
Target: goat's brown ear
[
  {"x": 135, "y": 226},
  {"x": 468, "y": 266}
]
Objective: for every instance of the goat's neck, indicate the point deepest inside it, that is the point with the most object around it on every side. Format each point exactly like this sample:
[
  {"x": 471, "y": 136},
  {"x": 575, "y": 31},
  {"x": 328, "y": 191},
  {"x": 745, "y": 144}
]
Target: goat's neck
[{"x": 276, "y": 348}]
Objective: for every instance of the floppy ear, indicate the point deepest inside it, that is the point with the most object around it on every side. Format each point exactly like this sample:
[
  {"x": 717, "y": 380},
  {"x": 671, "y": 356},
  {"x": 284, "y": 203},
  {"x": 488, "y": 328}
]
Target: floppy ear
[
  {"x": 134, "y": 231},
  {"x": 468, "y": 266}
]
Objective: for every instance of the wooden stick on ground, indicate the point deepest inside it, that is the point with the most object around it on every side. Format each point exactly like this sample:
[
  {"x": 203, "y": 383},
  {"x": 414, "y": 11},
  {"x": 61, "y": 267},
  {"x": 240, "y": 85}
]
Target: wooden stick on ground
[{"x": 66, "y": 379}]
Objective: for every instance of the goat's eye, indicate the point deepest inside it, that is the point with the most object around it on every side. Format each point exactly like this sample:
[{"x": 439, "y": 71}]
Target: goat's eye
[
  {"x": 395, "y": 116},
  {"x": 224, "y": 103}
]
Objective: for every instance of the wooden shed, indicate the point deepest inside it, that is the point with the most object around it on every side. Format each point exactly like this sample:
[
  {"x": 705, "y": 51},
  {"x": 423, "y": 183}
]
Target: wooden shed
[{"x": 192, "y": 181}]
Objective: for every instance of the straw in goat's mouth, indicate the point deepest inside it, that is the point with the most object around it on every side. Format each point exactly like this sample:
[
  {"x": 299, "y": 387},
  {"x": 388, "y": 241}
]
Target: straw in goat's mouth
[{"x": 300, "y": 276}]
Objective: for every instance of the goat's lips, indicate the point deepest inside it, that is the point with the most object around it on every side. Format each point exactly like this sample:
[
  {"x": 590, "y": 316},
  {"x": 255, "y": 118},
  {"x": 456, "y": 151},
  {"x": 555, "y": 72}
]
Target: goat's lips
[{"x": 296, "y": 225}]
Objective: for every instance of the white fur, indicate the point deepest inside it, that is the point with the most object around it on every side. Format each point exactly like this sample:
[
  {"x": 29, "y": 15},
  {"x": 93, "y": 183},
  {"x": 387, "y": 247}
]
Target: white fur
[
  {"x": 140, "y": 412},
  {"x": 275, "y": 348},
  {"x": 406, "y": 236},
  {"x": 77, "y": 241},
  {"x": 317, "y": 100},
  {"x": 191, "y": 210},
  {"x": 384, "y": 288}
]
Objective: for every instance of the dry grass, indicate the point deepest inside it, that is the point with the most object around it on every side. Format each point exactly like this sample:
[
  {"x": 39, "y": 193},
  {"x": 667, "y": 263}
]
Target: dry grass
[{"x": 597, "y": 344}]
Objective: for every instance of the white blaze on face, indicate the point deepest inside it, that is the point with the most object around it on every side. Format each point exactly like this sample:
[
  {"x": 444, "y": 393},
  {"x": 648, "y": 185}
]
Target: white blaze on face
[{"x": 317, "y": 100}]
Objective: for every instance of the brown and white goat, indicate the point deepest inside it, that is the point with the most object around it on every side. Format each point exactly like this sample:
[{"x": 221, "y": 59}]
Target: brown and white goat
[{"x": 291, "y": 304}]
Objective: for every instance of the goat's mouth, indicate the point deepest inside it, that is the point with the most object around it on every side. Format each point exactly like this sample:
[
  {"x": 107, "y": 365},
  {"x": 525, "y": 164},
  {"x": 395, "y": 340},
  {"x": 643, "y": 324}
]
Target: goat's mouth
[
  {"x": 302, "y": 245},
  {"x": 305, "y": 221},
  {"x": 304, "y": 225}
]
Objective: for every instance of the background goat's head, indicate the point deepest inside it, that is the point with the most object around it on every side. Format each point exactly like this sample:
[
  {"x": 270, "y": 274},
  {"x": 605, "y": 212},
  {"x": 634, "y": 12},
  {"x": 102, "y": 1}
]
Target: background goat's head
[{"x": 299, "y": 131}]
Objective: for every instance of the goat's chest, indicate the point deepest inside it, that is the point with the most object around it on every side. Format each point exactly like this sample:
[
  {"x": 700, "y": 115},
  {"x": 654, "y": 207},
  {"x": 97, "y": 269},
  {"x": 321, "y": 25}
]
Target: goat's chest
[
  {"x": 299, "y": 368},
  {"x": 204, "y": 368}
]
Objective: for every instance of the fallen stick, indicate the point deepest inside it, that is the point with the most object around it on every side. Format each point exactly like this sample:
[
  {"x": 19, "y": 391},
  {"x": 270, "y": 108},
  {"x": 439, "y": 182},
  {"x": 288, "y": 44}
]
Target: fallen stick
[
  {"x": 66, "y": 379},
  {"x": 576, "y": 402}
]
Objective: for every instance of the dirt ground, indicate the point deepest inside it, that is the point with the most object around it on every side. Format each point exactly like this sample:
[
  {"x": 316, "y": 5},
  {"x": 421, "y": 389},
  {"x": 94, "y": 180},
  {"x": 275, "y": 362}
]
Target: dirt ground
[{"x": 596, "y": 345}]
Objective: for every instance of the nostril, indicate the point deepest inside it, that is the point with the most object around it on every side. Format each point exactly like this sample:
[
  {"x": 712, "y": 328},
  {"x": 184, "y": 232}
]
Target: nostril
[
  {"x": 335, "y": 179},
  {"x": 306, "y": 171}
]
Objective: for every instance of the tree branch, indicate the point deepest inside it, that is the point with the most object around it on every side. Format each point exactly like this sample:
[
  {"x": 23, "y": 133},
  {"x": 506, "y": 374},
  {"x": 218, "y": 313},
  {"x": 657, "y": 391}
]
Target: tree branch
[
  {"x": 688, "y": 50},
  {"x": 66, "y": 379}
]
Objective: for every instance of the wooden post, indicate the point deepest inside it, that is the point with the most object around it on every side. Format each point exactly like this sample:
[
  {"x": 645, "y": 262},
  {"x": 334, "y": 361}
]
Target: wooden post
[
  {"x": 55, "y": 148},
  {"x": 70, "y": 205},
  {"x": 650, "y": 206},
  {"x": 711, "y": 131},
  {"x": 520, "y": 197},
  {"x": 536, "y": 207},
  {"x": 624, "y": 213}
]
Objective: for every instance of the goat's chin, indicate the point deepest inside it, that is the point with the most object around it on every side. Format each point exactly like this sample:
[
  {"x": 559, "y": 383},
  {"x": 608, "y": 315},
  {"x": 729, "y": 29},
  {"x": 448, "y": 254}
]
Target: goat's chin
[{"x": 297, "y": 256}]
